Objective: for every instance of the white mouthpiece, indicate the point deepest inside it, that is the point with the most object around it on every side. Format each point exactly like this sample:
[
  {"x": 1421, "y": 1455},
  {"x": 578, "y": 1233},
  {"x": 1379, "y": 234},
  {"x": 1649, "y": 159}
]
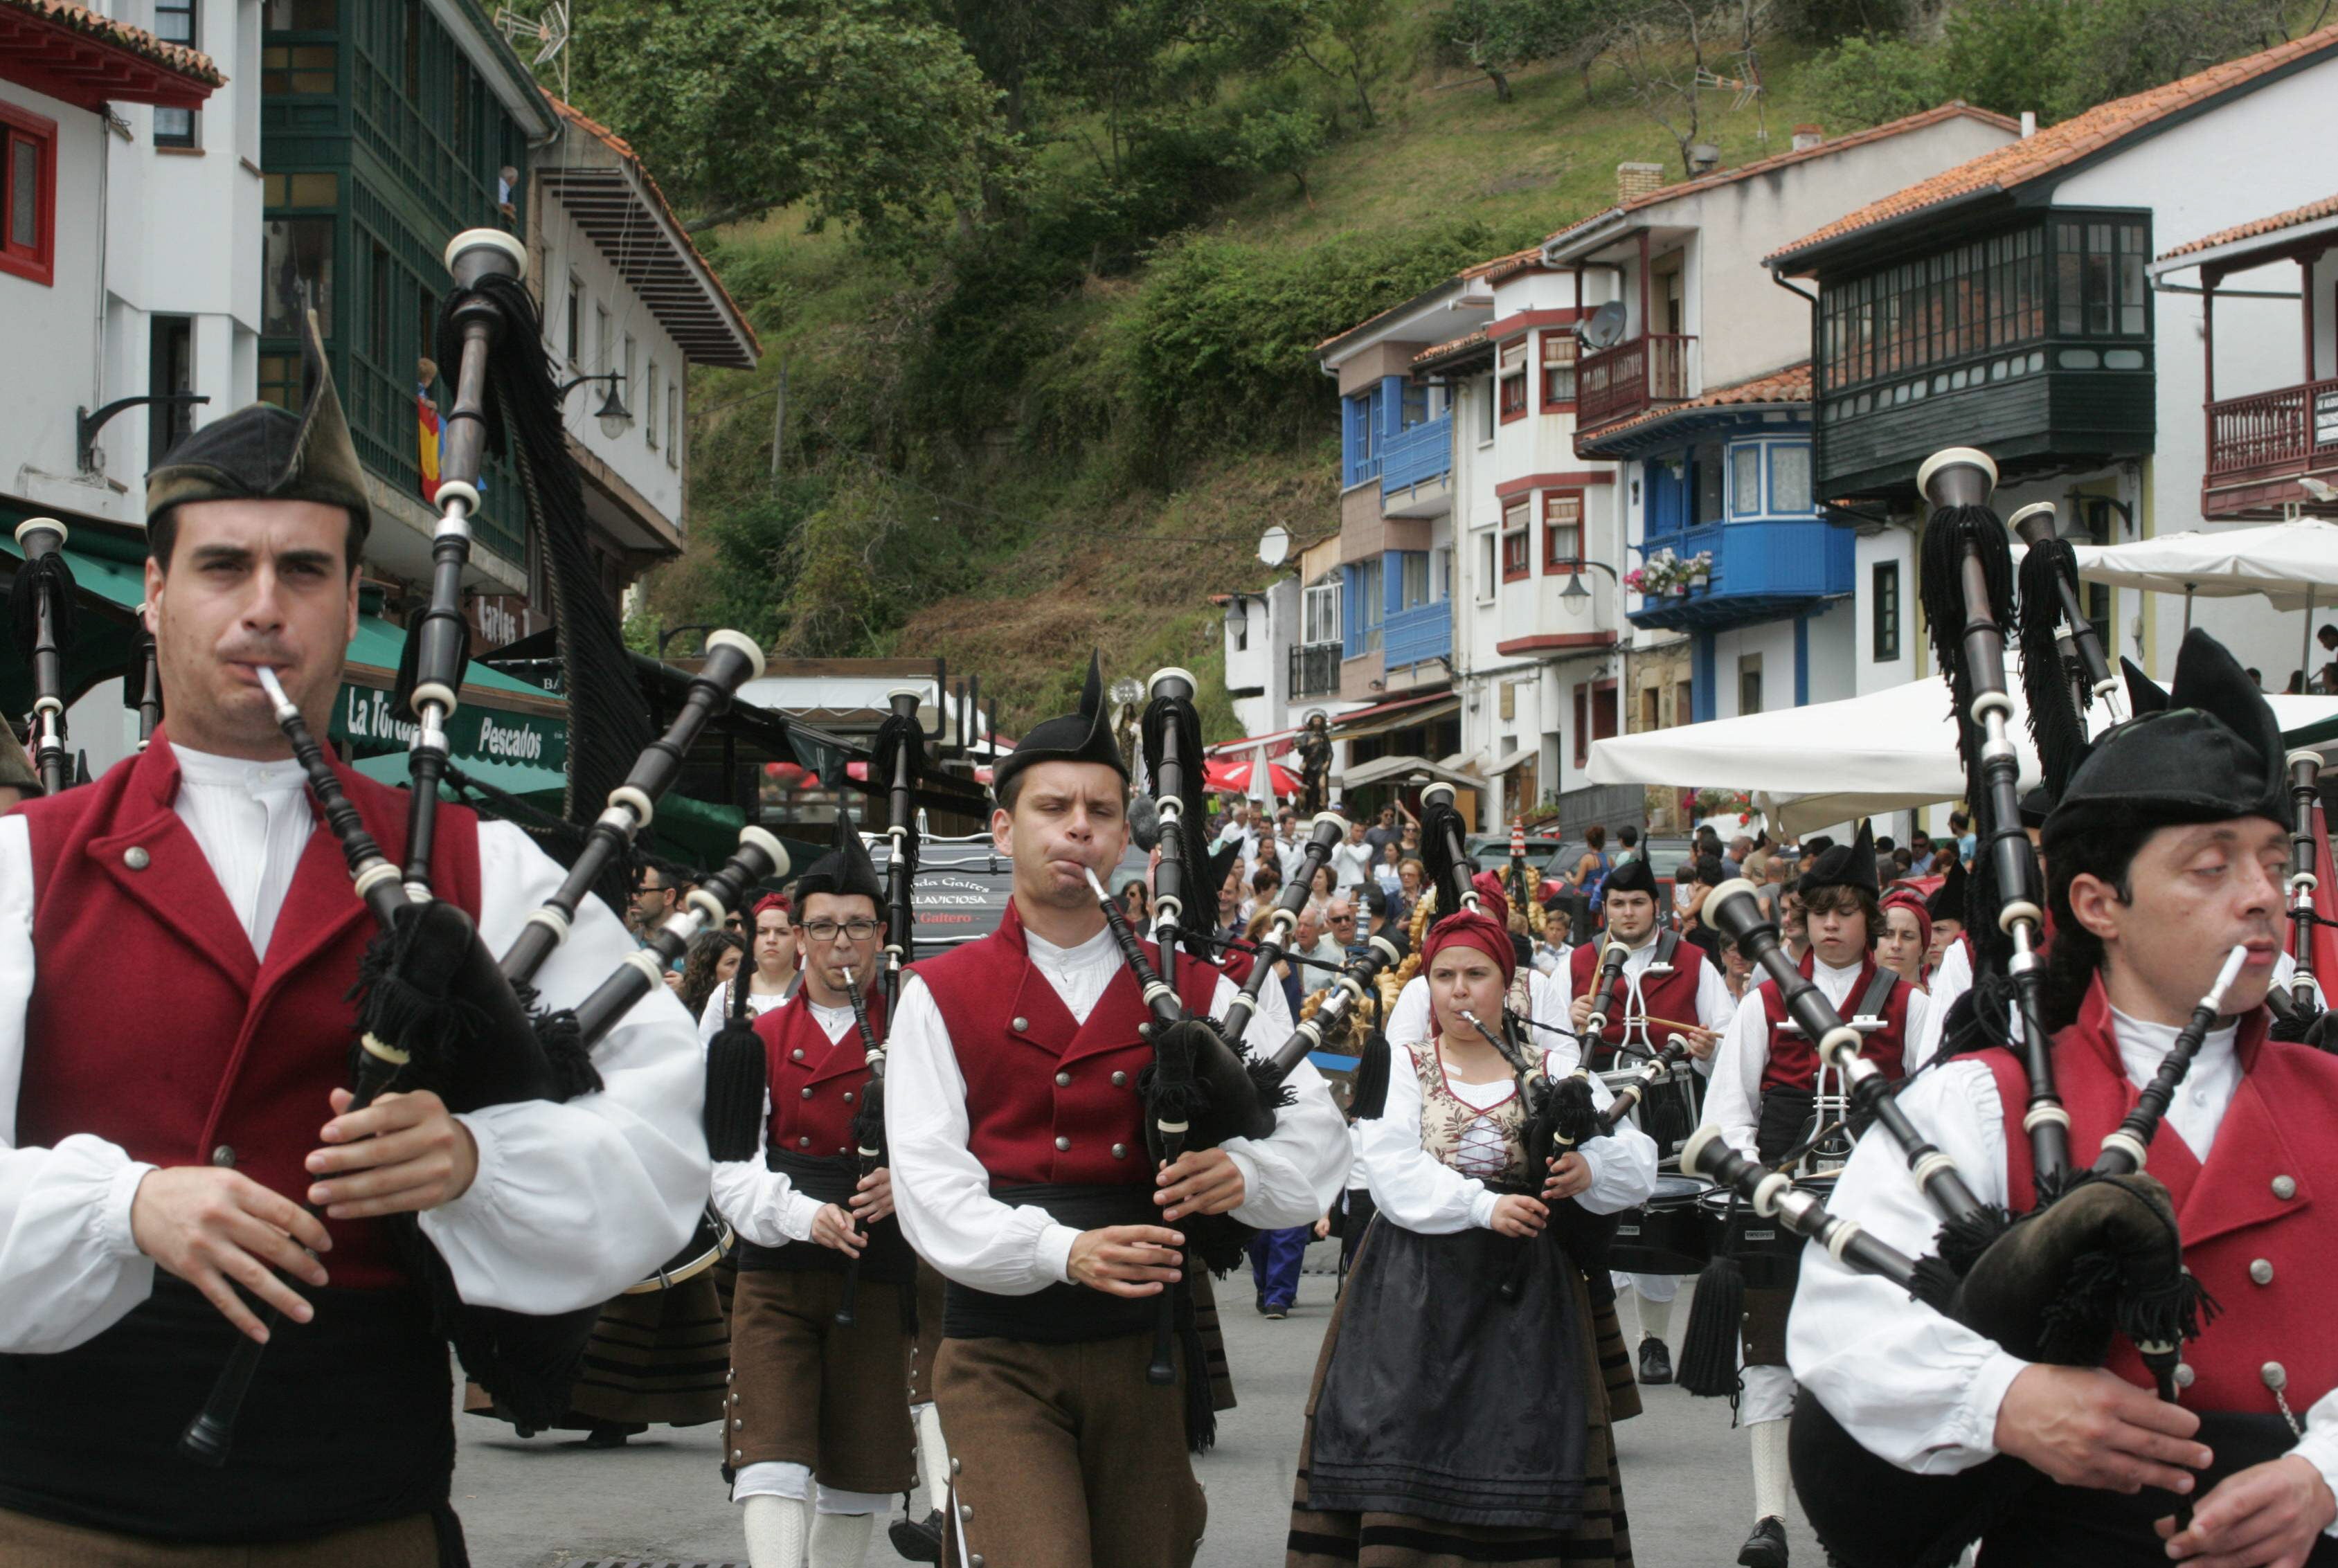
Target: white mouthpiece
[
  {"x": 2215, "y": 999},
  {"x": 275, "y": 690},
  {"x": 1094, "y": 882}
]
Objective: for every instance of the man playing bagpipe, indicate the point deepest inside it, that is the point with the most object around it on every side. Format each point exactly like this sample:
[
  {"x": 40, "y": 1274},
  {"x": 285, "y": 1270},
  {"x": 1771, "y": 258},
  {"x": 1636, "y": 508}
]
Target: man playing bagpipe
[
  {"x": 1017, "y": 1125},
  {"x": 818, "y": 1435},
  {"x": 1764, "y": 1098},
  {"x": 1674, "y": 983},
  {"x": 2166, "y": 850},
  {"x": 157, "y": 1147}
]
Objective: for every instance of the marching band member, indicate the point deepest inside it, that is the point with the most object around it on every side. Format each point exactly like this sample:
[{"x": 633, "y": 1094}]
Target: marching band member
[
  {"x": 1665, "y": 978},
  {"x": 1761, "y": 1098},
  {"x": 1527, "y": 1475},
  {"x": 148, "y": 1172},
  {"x": 2167, "y": 847},
  {"x": 818, "y": 1435},
  {"x": 1020, "y": 1171}
]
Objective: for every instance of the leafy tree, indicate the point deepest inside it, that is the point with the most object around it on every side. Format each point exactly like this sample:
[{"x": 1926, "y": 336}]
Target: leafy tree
[
  {"x": 860, "y": 109},
  {"x": 1281, "y": 141},
  {"x": 1867, "y": 81},
  {"x": 1496, "y": 37},
  {"x": 1346, "y": 41}
]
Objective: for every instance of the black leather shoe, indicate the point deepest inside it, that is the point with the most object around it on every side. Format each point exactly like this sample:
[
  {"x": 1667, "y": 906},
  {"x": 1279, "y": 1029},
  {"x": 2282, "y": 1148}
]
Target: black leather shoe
[
  {"x": 1655, "y": 1362},
  {"x": 1767, "y": 1547},
  {"x": 919, "y": 1539}
]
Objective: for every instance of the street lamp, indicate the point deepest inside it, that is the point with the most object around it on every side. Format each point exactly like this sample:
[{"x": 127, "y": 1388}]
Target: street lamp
[
  {"x": 1574, "y": 595},
  {"x": 613, "y": 415}
]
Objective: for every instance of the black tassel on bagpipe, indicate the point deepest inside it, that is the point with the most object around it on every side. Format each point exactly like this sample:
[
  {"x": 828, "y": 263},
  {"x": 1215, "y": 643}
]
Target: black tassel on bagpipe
[{"x": 738, "y": 1077}]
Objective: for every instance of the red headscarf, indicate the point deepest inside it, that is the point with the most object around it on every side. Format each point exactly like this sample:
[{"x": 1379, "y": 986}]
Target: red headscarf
[
  {"x": 1472, "y": 930},
  {"x": 1492, "y": 897},
  {"x": 778, "y": 901}
]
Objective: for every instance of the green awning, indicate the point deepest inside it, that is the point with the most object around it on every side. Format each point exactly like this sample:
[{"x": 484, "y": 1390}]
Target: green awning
[
  {"x": 540, "y": 786},
  {"x": 111, "y": 579}
]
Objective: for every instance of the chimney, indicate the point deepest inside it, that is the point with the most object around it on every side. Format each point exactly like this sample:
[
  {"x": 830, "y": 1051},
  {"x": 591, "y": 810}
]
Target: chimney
[
  {"x": 1807, "y": 137},
  {"x": 2029, "y": 123},
  {"x": 1633, "y": 181}
]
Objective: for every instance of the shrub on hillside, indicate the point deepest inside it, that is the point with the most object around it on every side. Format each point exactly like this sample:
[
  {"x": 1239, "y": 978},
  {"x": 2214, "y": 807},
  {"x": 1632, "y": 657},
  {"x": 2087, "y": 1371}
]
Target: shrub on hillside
[
  {"x": 1222, "y": 345},
  {"x": 1867, "y": 81}
]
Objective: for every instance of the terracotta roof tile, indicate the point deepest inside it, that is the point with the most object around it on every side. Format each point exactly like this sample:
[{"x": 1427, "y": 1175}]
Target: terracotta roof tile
[
  {"x": 2056, "y": 147},
  {"x": 1953, "y": 110},
  {"x": 2326, "y": 208},
  {"x": 1446, "y": 350},
  {"x": 623, "y": 149},
  {"x": 1792, "y": 384},
  {"x": 190, "y": 63}
]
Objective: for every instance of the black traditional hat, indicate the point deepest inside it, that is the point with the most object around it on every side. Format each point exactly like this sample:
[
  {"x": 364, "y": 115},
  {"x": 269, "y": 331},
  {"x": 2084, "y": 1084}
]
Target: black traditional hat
[
  {"x": 2208, "y": 750},
  {"x": 267, "y": 453},
  {"x": 1948, "y": 900},
  {"x": 1850, "y": 865},
  {"x": 844, "y": 871},
  {"x": 1084, "y": 736},
  {"x": 1633, "y": 875},
  {"x": 16, "y": 771}
]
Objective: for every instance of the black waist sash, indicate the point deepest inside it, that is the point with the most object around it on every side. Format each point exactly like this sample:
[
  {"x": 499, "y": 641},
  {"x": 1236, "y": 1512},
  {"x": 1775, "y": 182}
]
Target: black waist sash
[
  {"x": 2057, "y": 1526},
  {"x": 831, "y": 1179},
  {"x": 1060, "y": 1314},
  {"x": 350, "y": 1422}
]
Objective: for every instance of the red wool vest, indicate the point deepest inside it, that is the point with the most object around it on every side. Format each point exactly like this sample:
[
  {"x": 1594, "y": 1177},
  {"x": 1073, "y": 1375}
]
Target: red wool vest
[
  {"x": 1049, "y": 1100},
  {"x": 2279, "y": 1135},
  {"x": 816, "y": 1082},
  {"x": 216, "y": 1050},
  {"x": 1672, "y": 996},
  {"x": 1794, "y": 1058}
]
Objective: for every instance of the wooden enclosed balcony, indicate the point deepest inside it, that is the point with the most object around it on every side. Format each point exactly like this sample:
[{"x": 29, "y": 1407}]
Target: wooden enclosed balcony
[{"x": 1619, "y": 382}]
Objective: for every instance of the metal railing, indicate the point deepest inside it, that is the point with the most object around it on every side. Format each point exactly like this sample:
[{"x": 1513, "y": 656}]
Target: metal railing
[{"x": 1314, "y": 670}]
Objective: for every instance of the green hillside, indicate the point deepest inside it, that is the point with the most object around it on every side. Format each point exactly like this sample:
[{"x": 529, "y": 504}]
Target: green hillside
[{"x": 1062, "y": 415}]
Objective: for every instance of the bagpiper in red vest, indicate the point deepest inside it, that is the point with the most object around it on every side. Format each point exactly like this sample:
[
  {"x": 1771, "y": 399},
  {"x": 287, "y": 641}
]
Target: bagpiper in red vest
[
  {"x": 1662, "y": 994},
  {"x": 1793, "y": 1061},
  {"x": 2252, "y": 1234},
  {"x": 1049, "y": 1100},
  {"x": 152, "y": 1024},
  {"x": 816, "y": 1082},
  {"x": 235, "y": 1057}
]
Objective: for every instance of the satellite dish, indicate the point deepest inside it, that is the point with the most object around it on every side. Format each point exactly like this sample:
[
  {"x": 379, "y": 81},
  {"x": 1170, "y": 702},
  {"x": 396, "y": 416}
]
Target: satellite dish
[
  {"x": 1274, "y": 545},
  {"x": 1605, "y": 327}
]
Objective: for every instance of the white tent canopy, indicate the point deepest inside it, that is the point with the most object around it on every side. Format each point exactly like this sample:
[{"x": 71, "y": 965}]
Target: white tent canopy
[
  {"x": 2286, "y": 562},
  {"x": 1811, "y": 766}
]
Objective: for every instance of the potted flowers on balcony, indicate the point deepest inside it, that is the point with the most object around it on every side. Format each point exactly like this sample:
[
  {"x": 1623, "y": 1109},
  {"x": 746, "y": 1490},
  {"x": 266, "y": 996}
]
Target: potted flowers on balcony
[{"x": 1665, "y": 574}]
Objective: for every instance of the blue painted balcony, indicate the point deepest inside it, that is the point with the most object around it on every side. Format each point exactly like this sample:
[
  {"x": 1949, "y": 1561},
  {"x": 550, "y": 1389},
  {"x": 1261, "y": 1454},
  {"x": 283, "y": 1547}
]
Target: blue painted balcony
[
  {"x": 1417, "y": 470},
  {"x": 1760, "y": 571},
  {"x": 1417, "y": 635}
]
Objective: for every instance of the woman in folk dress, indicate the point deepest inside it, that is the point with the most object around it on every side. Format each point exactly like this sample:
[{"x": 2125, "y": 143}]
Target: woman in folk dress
[{"x": 1460, "y": 1413}]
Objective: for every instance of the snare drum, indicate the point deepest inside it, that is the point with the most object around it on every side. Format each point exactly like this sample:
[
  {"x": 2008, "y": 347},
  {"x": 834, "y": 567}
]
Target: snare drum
[
  {"x": 707, "y": 1246},
  {"x": 1666, "y": 1234}
]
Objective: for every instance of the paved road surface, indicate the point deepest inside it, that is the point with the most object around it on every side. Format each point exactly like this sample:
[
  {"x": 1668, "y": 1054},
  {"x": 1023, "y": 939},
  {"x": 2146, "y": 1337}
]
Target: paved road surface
[{"x": 547, "y": 1503}]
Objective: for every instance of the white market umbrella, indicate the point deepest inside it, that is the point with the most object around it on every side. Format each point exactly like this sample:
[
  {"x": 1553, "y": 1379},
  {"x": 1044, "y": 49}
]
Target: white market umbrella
[
  {"x": 2294, "y": 565},
  {"x": 1829, "y": 762}
]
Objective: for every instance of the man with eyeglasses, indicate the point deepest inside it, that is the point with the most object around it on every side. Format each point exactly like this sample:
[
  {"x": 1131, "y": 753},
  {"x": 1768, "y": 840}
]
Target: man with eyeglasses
[{"x": 818, "y": 1435}]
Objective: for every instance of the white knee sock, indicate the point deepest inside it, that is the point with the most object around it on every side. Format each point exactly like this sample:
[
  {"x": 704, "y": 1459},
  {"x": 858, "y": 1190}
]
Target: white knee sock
[
  {"x": 777, "y": 1528},
  {"x": 1656, "y": 1319},
  {"x": 933, "y": 1454},
  {"x": 1770, "y": 1478},
  {"x": 840, "y": 1540}
]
